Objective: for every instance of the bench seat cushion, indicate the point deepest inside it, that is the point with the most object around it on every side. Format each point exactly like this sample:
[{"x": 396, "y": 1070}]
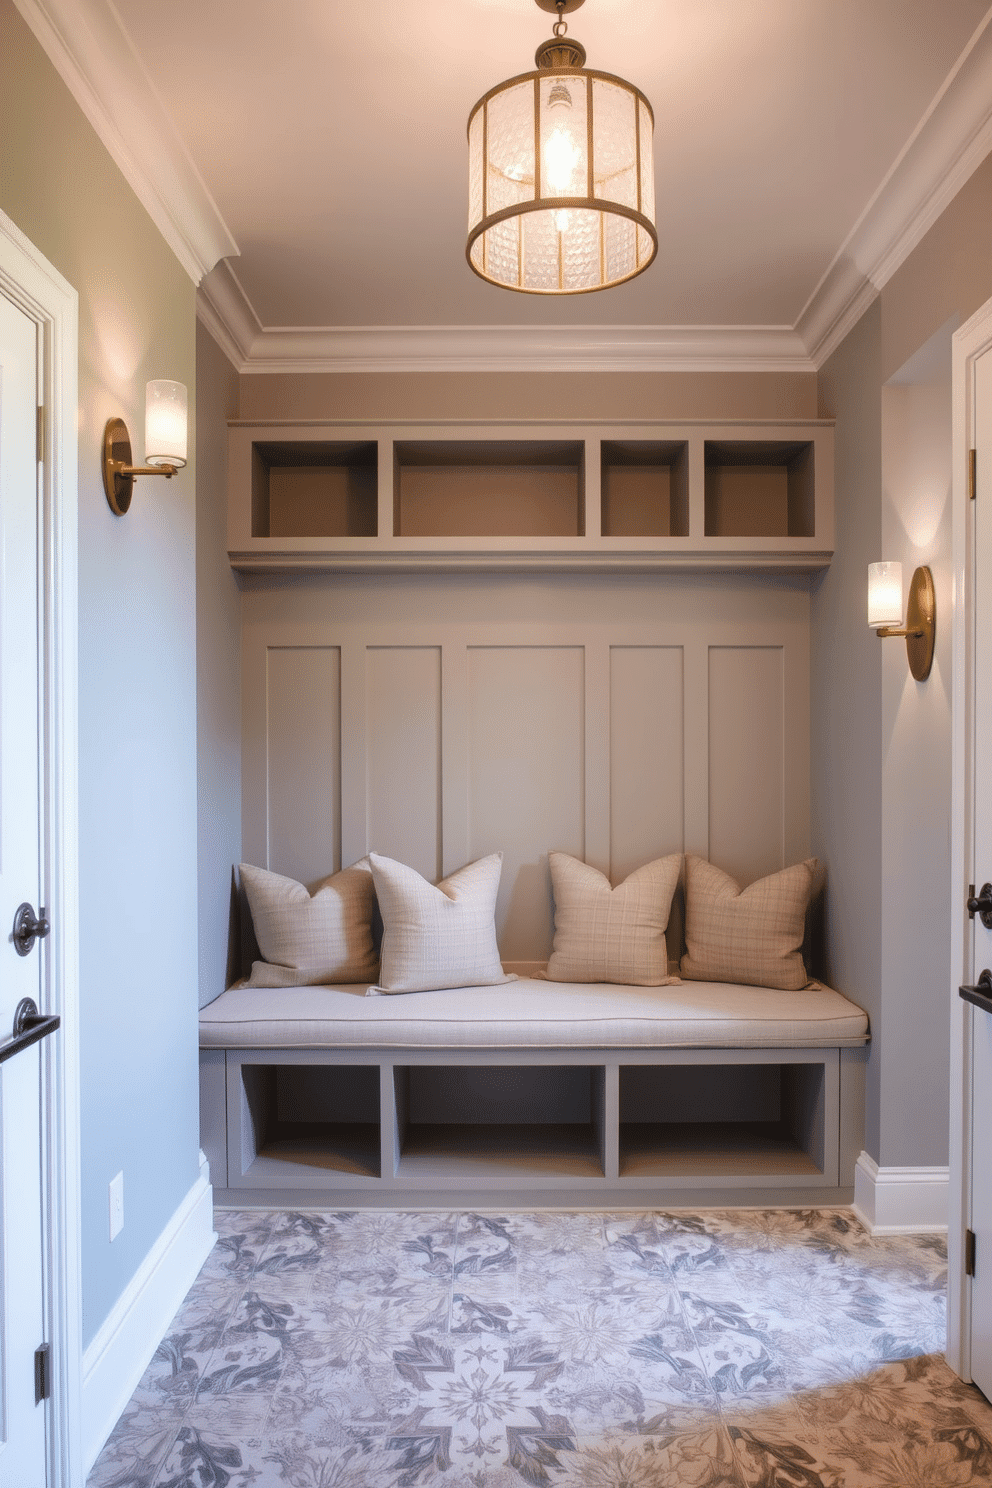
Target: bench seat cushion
[{"x": 531, "y": 1013}]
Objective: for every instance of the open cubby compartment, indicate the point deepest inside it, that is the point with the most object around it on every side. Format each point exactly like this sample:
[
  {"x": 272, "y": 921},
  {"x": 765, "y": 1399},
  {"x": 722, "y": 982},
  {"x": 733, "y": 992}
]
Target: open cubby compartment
[
  {"x": 645, "y": 487},
  {"x": 738, "y": 1121},
  {"x": 760, "y": 488},
  {"x": 314, "y": 488},
  {"x": 504, "y": 1124},
  {"x": 292, "y": 1124},
  {"x": 489, "y": 488}
]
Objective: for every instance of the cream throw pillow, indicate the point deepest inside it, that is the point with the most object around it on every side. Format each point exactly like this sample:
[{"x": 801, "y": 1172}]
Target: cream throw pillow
[
  {"x": 436, "y": 936},
  {"x": 754, "y": 935},
  {"x": 612, "y": 935},
  {"x": 309, "y": 939}
]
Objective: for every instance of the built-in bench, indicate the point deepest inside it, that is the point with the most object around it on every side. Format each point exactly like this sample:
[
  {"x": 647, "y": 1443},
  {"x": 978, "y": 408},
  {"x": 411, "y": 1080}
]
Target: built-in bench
[{"x": 533, "y": 1092}]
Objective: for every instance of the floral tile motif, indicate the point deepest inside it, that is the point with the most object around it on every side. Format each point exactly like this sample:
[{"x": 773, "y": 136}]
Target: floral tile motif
[{"x": 722, "y": 1349}]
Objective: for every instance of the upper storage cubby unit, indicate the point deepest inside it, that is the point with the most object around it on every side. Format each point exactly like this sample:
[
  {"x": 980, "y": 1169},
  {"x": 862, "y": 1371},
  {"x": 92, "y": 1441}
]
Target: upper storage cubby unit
[{"x": 531, "y": 495}]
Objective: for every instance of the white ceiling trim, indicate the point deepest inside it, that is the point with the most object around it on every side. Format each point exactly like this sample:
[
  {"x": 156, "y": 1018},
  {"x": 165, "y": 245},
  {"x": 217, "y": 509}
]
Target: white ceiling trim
[
  {"x": 949, "y": 143},
  {"x": 89, "y": 47},
  {"x": 227, "y": 315},
  {"x": 224, "y": 308}
]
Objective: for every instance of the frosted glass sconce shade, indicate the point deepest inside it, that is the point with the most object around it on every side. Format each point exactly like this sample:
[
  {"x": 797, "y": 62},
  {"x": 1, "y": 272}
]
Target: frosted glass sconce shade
[
  {"x": 884, "y": 594},
  {"x": 165, "y": 443},
  {"x": 885, "y": 612},
  {"x": 165, "y": 423},
  {"x": 561, "y": 176}
]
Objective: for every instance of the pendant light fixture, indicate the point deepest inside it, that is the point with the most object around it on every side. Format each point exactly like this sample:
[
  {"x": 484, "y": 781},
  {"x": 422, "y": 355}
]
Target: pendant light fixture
[{"x": 561, "y": 175}]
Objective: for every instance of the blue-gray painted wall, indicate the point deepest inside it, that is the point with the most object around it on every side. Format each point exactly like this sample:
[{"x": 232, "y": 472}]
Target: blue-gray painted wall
[{"x": 137, "y": 675}]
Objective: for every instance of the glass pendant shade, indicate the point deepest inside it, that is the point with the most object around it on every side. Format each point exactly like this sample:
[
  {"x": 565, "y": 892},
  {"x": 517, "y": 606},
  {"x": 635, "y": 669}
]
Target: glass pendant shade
[{"x": 561, "y": 178}]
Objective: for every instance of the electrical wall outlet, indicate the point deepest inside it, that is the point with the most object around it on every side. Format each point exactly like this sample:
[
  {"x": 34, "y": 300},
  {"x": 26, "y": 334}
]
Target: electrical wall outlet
[{"x": 116, "y": 1205}]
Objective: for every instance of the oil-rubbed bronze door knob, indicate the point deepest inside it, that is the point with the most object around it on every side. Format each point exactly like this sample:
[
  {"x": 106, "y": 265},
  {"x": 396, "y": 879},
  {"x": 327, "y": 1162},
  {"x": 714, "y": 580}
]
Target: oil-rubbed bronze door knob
[
  {"x": 982, "y": 905},
  {"x": 28, "y": 929}
]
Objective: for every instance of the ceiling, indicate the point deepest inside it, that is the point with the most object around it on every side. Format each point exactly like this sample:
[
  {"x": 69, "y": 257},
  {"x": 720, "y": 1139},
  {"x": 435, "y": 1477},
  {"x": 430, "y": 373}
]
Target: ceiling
[{"x": 317, "y": 153}]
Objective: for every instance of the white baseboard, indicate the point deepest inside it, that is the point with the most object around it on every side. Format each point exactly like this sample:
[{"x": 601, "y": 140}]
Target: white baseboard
[
  {"x": 900, "y": 1201},
  {"x": 120, "y": 1353}
]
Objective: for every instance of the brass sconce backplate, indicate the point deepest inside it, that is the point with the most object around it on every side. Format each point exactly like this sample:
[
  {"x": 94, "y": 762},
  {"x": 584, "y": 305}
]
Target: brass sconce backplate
[
  {"x": 921, "y": 618},
  {"x": 117, "y": 459},
  {"x": 921, "y": 624}
]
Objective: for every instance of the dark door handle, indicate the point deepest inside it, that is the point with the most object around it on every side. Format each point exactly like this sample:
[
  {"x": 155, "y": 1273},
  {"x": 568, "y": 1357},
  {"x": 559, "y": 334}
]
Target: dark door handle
[
  {"x": 30, "y": 1027},
  {"x": 28, "y": 929},
  {"x": 981, "y": 904}
]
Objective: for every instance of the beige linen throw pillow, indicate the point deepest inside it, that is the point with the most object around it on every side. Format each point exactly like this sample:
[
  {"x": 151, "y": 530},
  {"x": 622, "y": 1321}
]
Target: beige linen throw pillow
[
  {"x": 754, "y": 935},
  {"x": 309, "y": 939},
  {"x": 604, "y": 934},
  {"x": 436, "y": 936}
]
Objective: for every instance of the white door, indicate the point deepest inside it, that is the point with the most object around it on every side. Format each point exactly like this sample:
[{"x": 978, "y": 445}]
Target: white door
[
  {"x": 23, "y": 1423},
  {"x": 981, "y": 1120}
]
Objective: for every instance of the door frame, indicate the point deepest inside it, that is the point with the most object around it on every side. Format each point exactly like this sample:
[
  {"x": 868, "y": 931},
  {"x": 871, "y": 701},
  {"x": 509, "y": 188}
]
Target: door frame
[
  {"x": 970, "y": 342},
  {"x": 39, "y": 290}
]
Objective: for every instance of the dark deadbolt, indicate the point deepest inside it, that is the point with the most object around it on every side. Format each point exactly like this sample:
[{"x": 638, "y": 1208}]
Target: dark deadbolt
[
  {"x": 982, "y": 906},
  {"x": 27, "y": 929}
]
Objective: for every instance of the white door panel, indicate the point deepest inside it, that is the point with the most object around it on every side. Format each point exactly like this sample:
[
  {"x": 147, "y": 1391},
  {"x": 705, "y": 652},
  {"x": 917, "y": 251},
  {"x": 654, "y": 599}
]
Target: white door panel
[
  {"x": 22, "y": 1421},
  {"x": 981, "y": 1178}
]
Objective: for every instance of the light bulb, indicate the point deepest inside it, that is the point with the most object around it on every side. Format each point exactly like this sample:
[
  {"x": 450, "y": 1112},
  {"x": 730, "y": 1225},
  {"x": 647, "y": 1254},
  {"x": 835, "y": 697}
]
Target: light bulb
[
  {"x": 561, "y": 156},
  {"x": 561, "y": 222}
]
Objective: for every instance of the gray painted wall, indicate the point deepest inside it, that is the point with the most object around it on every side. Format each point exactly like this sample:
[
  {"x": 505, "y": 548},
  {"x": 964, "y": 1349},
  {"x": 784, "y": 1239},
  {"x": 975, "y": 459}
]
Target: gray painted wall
[
  {"x": 880, "y": 764},
  {"x": 916, "y": 777},
  {"x": 137, "y": 725},
  {"x": 218, "y": 672},
  {"x": 845, "y": 693}
]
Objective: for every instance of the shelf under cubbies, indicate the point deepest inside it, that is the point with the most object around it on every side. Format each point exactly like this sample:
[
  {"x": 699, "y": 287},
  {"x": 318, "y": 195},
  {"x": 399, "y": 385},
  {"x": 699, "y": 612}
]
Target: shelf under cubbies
[
  {"x": 503, "y": 1152},
  {"x": 645, "y": 488},
  {"x": 712, "y": 1149},
  {"x": 759, "y": 488},
  {"x": 481, "y": 488},
  {"x": 334, "y": 1147},
  {"x": 314, "y": 489}
]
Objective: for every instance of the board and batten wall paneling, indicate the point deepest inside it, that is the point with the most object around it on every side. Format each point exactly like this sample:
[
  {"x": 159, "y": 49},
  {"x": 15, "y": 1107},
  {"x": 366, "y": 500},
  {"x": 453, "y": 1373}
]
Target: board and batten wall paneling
[
  {"x": 747, "y": 777},
  {"x": 403, "y": 755},
  {"x": 647, "y": 784},
  {"x": 381, "y": 717},
  {"x": 293, "y": 755},
  {"x": 526, "y": 778}
]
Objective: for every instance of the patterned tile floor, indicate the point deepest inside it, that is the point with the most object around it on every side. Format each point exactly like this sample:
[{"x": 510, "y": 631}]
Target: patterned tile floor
[{"x": 758, "y": 1349}]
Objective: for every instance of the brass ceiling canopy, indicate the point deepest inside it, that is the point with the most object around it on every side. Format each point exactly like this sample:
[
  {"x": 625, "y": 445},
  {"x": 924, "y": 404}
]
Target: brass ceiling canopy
[{"x": 561, "y": 175}]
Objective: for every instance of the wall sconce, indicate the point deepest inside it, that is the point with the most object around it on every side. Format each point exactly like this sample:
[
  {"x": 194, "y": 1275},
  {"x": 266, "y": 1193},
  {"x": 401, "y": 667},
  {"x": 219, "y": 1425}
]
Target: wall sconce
[
  {"x": 885, "y": 612},
  {"x": 165, "y": 443}
]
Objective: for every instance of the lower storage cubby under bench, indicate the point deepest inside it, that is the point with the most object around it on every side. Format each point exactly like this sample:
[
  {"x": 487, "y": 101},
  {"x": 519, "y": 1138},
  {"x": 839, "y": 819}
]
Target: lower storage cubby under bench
[{"x": 572, "y": 1127}]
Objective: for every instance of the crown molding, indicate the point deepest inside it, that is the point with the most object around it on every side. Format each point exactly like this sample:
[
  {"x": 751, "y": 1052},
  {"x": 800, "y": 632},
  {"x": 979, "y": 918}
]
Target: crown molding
[
  {"x": 227, "y": 315},
  {"x": 224, "y": 309},
  {"x": 949, "y": 143},
  {"x": 87, "y": 44},
  {"x": 530, "y": 349}
]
